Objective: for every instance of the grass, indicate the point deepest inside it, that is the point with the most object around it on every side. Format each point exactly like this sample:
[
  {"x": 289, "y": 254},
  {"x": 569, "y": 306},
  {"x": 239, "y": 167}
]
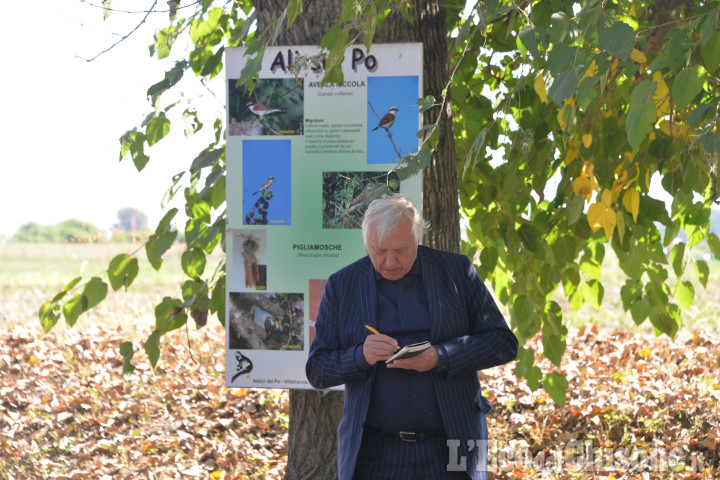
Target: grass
[
  {"x": 703, "y": 314},
  {"x": 31, "y": 274}
]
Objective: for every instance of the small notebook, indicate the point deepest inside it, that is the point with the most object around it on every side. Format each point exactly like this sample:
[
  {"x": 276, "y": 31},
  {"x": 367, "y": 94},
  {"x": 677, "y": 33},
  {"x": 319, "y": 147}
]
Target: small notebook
[{"x": 410, "y": 351}]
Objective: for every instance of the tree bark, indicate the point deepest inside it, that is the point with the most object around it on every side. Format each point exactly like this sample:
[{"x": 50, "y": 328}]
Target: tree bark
[
  {"x": 440, "y": 184},
  {"x": 314, "y": 417}
]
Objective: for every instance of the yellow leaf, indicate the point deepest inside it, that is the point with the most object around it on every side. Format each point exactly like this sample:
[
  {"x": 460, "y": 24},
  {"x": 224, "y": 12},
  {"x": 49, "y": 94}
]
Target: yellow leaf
[
  {"x": 661, "y": 98},
  {"x": 631, "y": 202},
  {"x": 574, "y": 141},
  {"x": 607, "y": 198},
  {"x": 601, "y": 215},
  {"x": 240, "y": 392},
  {"x": 638, "y": 56},
  {"x": 583, "y": 188},
  {"x": 587, "y": 140},
  {"x": 539, "y": 86},
  {"x": 591, "y": 70},
  {"x": 571, "y": 155}
]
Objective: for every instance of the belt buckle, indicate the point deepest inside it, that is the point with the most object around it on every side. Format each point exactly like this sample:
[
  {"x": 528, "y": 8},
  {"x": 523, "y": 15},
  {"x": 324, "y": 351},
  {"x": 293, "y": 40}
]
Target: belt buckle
[{"x": 408, "y": 436}]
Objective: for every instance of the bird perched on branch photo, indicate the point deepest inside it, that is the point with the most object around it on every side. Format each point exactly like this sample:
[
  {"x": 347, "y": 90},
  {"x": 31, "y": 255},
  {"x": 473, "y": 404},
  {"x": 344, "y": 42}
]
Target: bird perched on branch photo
[
  {"x": 360, "y": 200},
  {"x": 261, "y": 109},
  {"x": 387, "y": 120},
  {"x": 265, "y": 185}
]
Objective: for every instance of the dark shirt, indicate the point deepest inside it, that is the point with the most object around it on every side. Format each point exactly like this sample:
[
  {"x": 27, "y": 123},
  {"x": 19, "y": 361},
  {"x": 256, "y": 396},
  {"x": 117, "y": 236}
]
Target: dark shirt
[{"x": 403, "y": 399}]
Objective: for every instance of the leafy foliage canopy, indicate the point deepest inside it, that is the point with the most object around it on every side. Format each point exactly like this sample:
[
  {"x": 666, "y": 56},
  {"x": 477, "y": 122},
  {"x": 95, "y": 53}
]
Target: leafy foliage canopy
[{"x": 565, "y": 113}]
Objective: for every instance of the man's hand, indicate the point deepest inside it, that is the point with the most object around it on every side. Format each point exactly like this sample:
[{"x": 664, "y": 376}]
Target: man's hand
[
  {"x": 378, "y": 347},
  {"x": 427, "y": 360}
]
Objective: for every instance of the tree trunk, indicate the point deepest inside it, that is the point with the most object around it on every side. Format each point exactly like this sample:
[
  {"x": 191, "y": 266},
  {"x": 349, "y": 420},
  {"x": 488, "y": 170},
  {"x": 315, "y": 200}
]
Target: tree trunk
[
  {"x": 440, "y": 184},
  {"x": 314, "y": 417}
]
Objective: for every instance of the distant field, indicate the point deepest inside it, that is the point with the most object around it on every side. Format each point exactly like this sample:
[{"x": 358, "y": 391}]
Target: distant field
[{"x": 31, "y": 274}]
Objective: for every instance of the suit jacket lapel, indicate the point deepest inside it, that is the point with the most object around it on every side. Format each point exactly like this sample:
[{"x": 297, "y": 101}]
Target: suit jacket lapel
[
  {"x": 367, "y": 295},
  {"x": 432, "y": 275}
]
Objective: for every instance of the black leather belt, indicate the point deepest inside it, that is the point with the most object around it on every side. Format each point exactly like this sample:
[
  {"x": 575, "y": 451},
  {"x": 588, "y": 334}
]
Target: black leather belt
[{"x": 408, "y": 436}]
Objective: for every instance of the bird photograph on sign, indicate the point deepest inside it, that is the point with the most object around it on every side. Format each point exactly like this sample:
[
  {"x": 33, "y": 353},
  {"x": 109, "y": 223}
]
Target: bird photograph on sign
[
  {"x": 267, "y": 179},
  {"x": 392, "y": 118},
  {"x": 346, "y": 195},
  {"x": 274, "y": 107},
  {"x": 249, "y": 259},
  {"x": 266, "y": 321}
]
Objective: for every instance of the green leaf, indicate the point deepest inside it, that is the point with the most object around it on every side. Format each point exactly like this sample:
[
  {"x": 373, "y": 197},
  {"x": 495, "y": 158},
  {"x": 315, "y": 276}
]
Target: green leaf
[
  {"x": 529, "y": 237},
  {"x": 164, "y": 224},
  {"x": 687, "y": 85},
  {"x": 94, "y": 292},
  {"x": 122, "y": 271},
  {"x": 152, "y": 347},
  {"x": 575, "y": 210},
  {"x": 677, "y": 255},
  {"x": 207, "y": 158},
  {"x": 642, "y": 114},
  {"x": 563, "y": 86},
  {"x": 665, "y": 319},
  {"x": 618, "y": 40},
  {"x": 488, "y": 259},
  {"x": 593, "y": 293},
  {"x": 217, "y": 300},
  {"x": 710, "y": 53},
  {"x": 414, "y": 164},
  {"x": 553, "y": 348},
  {"x": 172, "y": 77},
  {"x": 559, "y": 28},
  {"x": 169, "y": 315},
  {"x": 49, "y": 314},
  {"x": 294, "y": 8},
  {"x": 127, "y": 352},
  {"x": 525, "y": 360},
  {"x": 640, "y": 310},
  {"x": 213, "y": 64},
  {"x": 556, "y": 385},
  {"x": 137, "y": 151},
  {"x": 66, "y": 289},
  {"x": 157, "y": 245},
  {"x": 561, "y": 59},
  {"x": 629, "y": 293},
  {"x": 193, "y": 262},
  {"x": 463, "y": 33},
  {"x": 425, "y": 103},
  {"x": 714, "y": 244},
  {"x": 702, "y": 271},
  {"x": 533, "y": 376},
  {"x": 684, "y": 293},
  {"x": 528, "y": 40},
  {"x": 157, "y": 129},
  {"x": 72, "y": 309}
]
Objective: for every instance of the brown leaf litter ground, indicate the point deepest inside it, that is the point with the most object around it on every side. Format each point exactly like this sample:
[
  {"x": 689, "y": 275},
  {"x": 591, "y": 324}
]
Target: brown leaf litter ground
[{"x": 637, "y": 407}]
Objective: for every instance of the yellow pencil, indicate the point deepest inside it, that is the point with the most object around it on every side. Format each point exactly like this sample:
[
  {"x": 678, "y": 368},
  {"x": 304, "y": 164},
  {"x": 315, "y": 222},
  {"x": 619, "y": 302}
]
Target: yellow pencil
[{"x": 378, "y": 333}]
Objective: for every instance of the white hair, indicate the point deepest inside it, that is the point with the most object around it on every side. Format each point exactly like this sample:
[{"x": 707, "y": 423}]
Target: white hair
[{"x": 384, "y": 215}]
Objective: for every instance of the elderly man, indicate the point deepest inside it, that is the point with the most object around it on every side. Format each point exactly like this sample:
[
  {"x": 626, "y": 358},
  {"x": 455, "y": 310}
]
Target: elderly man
[{"x": 418, "y": 417}]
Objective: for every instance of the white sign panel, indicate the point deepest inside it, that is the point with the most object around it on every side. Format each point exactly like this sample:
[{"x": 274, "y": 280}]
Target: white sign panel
[{"x": 302, "y": 156}]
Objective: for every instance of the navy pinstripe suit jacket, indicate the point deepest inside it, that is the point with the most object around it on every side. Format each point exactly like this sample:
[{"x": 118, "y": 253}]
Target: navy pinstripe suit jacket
[{"x": 464, "y": 319}]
